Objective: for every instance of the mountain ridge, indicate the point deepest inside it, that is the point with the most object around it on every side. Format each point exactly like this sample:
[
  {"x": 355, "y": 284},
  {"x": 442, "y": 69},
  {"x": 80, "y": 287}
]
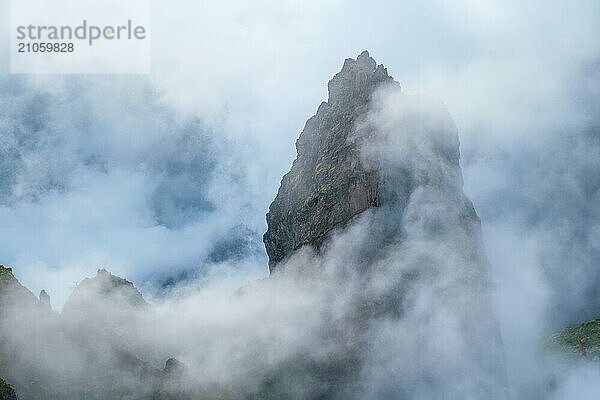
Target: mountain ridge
[{"x": 371, "y": 242}]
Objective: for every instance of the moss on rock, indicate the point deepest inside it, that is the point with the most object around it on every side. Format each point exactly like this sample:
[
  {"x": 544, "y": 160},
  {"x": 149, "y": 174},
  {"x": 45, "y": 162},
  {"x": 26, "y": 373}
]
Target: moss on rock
[
  {"x": 6, "y": 391},
  {"x": 581, "y": 340}
]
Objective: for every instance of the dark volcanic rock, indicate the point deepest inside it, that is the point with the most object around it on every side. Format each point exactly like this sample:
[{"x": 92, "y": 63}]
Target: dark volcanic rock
[
  {"x": 6, "y": 391},
  {"x": 110, "y": 304},
  {"x": 172, "y": 383},
  {"x": 381, "y": 169},
  {"x": 11, "y": 290},
  {"x": 578, "y": 341},
  {"x": 174, "y": 367},
  {"x": 45, "y": 300},
  {"x": 327, "y": 185},
  {"x": 41, "y": 352},
  {"x": 21, "y": 314}
]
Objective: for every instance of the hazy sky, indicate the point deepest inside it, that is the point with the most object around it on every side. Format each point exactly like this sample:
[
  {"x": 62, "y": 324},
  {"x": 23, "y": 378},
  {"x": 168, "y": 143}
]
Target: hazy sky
[
  {"x": 511, "y": 73},
  {"x": 151, "y": 175}
]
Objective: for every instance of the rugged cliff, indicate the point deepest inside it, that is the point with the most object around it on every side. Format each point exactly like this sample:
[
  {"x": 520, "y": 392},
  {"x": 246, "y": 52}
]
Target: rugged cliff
[
  {"x": 12, "y": 292},
  {"x": 327, "y": 185},
  {"x": 86, "y": 351},
  {"x": 376, "y": 190},
  {"x": 349, "y": 161},
  {"x": 92, "y": 293},
  {"x": 6, "y": 391},
  {"x": 395, "y": 304},
  {"x": 17, "y": 306}
]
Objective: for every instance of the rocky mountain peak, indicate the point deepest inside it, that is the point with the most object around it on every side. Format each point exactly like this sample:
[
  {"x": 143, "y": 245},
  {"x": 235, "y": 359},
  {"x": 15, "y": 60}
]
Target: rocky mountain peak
[
  {"x": 12, "y": 292},
  {"x": 101, "y": 291},
  {"x": 376, "y": 191},
  {"x": 352, "y": 156},
  {"x": 357, "y": 80},
  {"x": 327, "y": 185},
  {"x": 6, "y": 274},
  {"x": 174, "y": 367}
]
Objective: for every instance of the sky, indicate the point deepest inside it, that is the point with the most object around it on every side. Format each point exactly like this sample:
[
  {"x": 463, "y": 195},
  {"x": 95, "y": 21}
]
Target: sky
[
  {"x": 185, "y": 160},
  {"x": 244, "y": 78}
]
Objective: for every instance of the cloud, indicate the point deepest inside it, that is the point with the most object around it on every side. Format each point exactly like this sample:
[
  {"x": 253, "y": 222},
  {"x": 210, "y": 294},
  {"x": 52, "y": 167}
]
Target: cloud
[
  {"x": 178, "y": 170},
  {"x": 395, "y": 305},
  {"x": 124, "y": 181}
]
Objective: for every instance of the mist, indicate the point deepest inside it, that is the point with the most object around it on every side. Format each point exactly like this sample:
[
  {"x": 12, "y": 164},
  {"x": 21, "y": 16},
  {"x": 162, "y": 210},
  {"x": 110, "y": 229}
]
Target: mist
[
  {"x": 396, "y": 304},
  {"x": 166, "y": 182}
]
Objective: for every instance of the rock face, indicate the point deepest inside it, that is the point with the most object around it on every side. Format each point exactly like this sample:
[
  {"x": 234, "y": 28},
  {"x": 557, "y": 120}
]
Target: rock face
[
  {"x": 401, "y": 311},
  {"x": 327, "y": 186},
  {"x": 105, "y": 287},
  {"x": 45, "y": 300},
  {"x": 6, "y": 391},
  {"x": 334, "y": 178},
  {"x": 108, "y": 303},
  {"x": 579, "y": 341},
  {"x": 93, "y": 326},
  {"x": 172, "y": 382},
  {"x": 17, "y": 305},
  {"x": 377, "y": 190},
  {"x": 12, "y": 292}
]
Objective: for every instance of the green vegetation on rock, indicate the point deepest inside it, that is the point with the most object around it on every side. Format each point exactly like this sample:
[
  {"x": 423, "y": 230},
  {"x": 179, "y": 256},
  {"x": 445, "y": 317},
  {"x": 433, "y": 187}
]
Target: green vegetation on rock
[
  {"x": 580, "y": 340},
  {"x": 6, "y": 391},
  {"x": 327, "y": 185}
]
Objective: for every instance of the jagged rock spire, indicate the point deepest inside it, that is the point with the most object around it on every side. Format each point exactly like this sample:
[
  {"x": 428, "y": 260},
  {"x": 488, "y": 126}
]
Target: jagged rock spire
[
  {"x": 93, "y": 295},
  {"x": 327, "y": 185},
  {"x": 357, "y": 79},
  {"x": 45, "y": 300},
  {"x": 6, "y": 391}
]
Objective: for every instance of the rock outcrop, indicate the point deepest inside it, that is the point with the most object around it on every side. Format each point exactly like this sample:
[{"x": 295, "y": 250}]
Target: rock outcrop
[
  {"x": 19, "y": 311},
  {"x": 376, "y": 190},
  {"x": 327, "y": 185},
  {"x": 342, "y": 154},
  {"x": 105, "y": 289},
  {"x": 45, "y": 300},
  {"x": 172, "y": 384},
  {"x": 12, "y": 292},
  {"x": 581, "y": 341},
  {"x": 6, "y": 391},
  {"x": 401, "y": 310}
]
